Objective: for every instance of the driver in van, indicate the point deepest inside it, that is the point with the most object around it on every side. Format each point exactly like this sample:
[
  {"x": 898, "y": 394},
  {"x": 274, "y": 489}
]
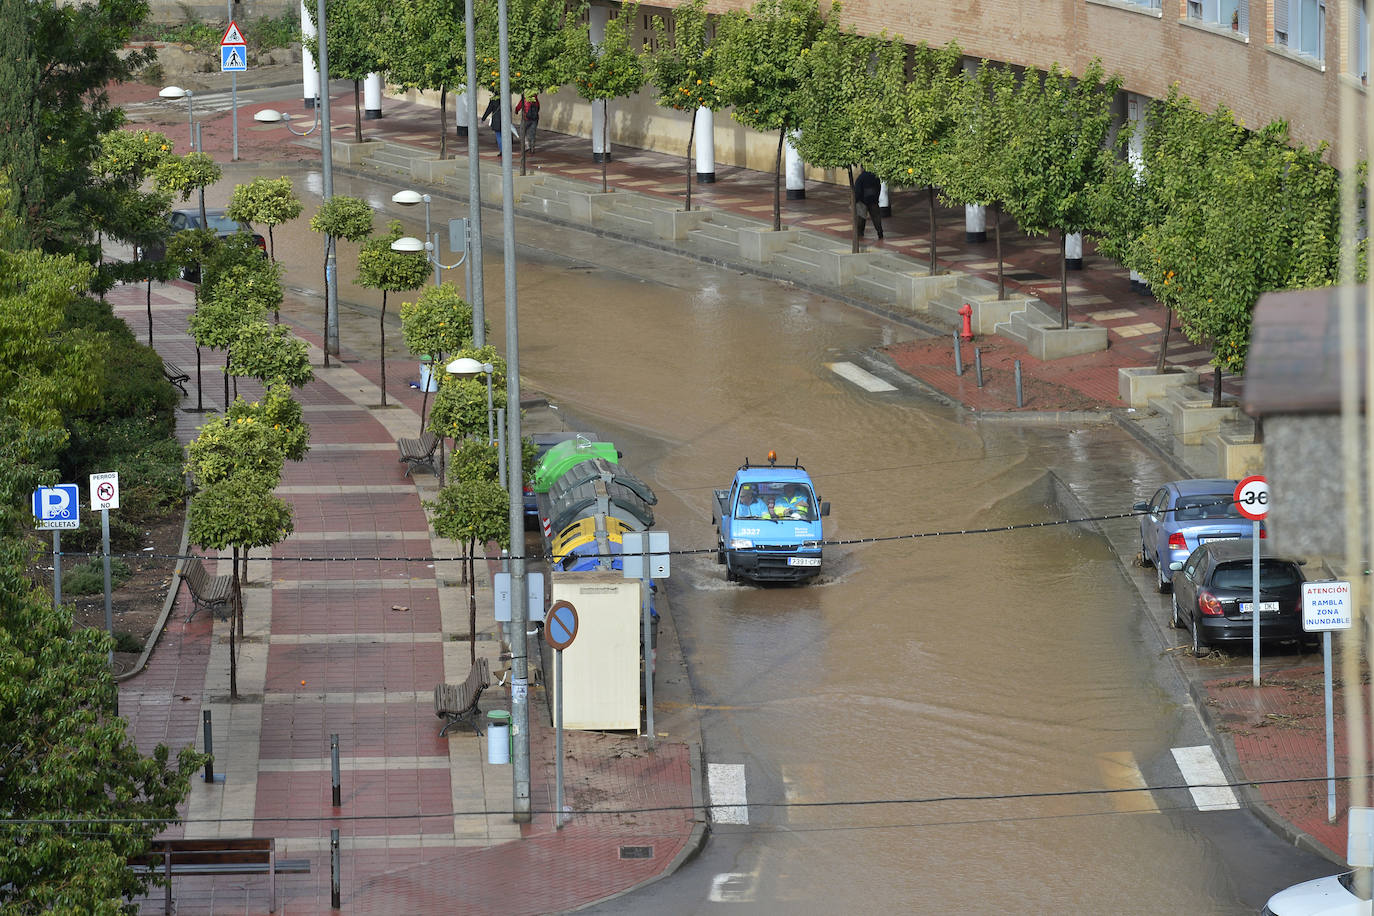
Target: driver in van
[{"x": 749, "y": 505}]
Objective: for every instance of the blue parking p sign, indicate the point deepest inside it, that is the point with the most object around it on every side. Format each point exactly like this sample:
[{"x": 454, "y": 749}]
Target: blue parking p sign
[{"x": 57, "y": 507}]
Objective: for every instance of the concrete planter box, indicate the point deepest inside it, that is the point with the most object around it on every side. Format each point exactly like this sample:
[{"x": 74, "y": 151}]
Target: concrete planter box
[
  {"x": 351, "y": 152},
  {"x": 586, "y": 206},
  {"x": 1238, "y": 456},
  {"x": 521, "y": 185},
  {"x": 759, "y": 245},
  {"x": 435, "y": 170},
  {"x": 1056, "y": 342},
  {"x": 988, "y": 313},
  {"x": 915, "y": 291},
  {"x": 673, "y": 225},
  {"x": 840, "y": 266},
  {"x": 1137, "y": 385}
]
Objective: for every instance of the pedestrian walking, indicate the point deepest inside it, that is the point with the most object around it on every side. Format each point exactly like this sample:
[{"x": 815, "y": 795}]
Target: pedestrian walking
[
  {"x": 530, "y": 109},
  {"x": 867, "y": 187},
  {"x": 494, "y": 113}
]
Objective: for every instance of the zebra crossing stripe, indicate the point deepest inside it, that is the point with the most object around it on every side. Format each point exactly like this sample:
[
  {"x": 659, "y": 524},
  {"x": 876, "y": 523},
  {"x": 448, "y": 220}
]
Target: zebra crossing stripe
[
  {"x": 729, "y": 804},
  {"x": 1205, "y": 779}
]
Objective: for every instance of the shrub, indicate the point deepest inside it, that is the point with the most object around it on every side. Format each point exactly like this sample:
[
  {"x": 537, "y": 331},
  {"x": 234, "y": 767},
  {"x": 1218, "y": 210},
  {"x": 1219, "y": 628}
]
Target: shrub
[
  {"x": 89, "y": 578},
  {"x": 125, "y": 641}
]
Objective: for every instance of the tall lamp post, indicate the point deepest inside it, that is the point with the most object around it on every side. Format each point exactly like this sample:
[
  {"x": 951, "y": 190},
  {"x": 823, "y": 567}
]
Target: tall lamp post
[
  {"x": 409, "y": 198},
  {"x": 467, "y": 367},
  {"x": 176, "y": 92}
]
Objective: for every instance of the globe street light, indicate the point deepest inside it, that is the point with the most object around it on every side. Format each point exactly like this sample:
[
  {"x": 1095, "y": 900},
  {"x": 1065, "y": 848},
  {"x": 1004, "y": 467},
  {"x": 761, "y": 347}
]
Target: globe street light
[
  {"x": 410, "y": 244},
  {"x": 176, "y": 92},
  {"x": 272, "y": 116},
  {"x": 409, "y": 198}
]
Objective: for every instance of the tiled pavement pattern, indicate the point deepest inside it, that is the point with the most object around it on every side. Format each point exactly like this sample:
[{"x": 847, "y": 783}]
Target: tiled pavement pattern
[{"x": 353, "y": 646}]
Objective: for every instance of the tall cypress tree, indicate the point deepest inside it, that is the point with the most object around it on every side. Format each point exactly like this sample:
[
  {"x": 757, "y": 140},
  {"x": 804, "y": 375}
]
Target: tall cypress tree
[{"x": 19, "y": 121}]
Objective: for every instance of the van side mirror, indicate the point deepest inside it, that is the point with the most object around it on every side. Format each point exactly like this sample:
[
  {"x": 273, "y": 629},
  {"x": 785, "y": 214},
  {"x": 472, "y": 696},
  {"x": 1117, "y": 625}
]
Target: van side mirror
[{"x": 825, "y": 509}]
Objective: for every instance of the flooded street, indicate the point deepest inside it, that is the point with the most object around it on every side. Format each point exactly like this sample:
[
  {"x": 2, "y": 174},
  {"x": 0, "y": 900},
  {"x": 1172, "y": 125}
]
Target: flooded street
[{"x": 974, "y": 690}]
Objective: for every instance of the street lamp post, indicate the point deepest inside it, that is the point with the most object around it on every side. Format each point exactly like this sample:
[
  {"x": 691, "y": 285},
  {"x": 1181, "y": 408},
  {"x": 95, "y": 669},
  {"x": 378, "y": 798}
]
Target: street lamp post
[
  {"x": 467, "y": 367},
  {"x": 176, "y": 92},
  {"x": 409, "y": 198}
]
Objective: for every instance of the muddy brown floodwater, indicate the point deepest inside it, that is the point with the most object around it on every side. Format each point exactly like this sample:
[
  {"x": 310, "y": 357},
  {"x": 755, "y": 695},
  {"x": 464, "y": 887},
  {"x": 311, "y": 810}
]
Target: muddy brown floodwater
[{"x": 1004, "y": 665}]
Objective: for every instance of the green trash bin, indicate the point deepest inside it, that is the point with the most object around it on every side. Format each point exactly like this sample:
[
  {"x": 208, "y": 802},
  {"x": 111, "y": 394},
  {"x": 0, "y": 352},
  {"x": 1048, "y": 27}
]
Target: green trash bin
[{"x": 500, "y": 742}]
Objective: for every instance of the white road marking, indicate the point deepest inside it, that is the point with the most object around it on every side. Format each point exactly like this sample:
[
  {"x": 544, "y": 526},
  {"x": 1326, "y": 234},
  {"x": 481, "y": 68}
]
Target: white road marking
[
  {"x": 732, "y": 887},
  {"x": 865, "y": 380},
  {"x": 728, "y": 800},
  {"x": 1205, "y": 779}
]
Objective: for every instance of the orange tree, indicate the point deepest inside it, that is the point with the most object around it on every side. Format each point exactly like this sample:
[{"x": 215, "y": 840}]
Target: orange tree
[
  {"x": 682, "y": 70},
  {"x": 610, "y": 70}
]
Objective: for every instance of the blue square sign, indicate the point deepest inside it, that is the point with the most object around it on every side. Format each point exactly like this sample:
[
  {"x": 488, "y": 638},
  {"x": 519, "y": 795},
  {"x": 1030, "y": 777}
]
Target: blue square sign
[
  {"x": 233, "y": 57},
  {"x": 56, "y": 508}
]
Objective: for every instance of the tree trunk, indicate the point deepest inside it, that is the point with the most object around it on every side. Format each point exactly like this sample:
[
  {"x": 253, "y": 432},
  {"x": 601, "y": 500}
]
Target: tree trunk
[
  {"x": 227, "y": 355},
  {"x": 150, "y": 311},
  {"x": 853, "y": 212},
  {"x": 443, "y": 123},
  {"x": 691, "y": 136},
  {"x": 605, "y": 140},
  {"x": 381, "y": 325},
  {"x": 1164, "y": 339},
  {"x": 357, "y": 112},
  {"x": 1063, "y": 281},
  {"x": 777, "y": 183},
  {"x": 930, "y": 192},
  {"x": 997, "y": 235},
  {"x": 1216, "y": 386},
  {"x": 324, "y": 341},
  {"x": 233, "y": 642}
]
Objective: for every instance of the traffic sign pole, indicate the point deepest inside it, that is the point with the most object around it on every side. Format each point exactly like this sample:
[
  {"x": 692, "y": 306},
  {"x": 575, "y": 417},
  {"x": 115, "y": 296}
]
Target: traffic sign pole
[
  {"x": 1252, "y": 499},
  {"x": 56, "y": 568},
  {"x": 560, "y": 629},
  {"x": 105, "y": 551}
]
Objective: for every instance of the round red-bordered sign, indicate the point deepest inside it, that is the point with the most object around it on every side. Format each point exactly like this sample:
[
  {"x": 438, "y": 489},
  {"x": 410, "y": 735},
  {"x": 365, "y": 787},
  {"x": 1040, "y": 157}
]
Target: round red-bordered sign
[
  {"x": 560, "y": 625},
  {"x": 1252, "y": 497}
]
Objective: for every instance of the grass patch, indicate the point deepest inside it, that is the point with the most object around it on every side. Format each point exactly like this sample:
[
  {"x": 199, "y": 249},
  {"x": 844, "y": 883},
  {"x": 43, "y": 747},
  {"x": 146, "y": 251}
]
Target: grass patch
[{"x": 89, "y": 578}]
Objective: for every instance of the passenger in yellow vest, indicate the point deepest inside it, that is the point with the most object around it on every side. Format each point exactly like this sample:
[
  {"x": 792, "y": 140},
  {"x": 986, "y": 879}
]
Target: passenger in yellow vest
[
  {"x": 776, "y": 510},
  {"x": 796, "y": 503}
]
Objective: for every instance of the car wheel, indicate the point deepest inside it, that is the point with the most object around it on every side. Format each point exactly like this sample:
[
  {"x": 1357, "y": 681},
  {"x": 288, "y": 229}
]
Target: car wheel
[
  {"x": 1163, "y": 584},
  {"x": 1174, "y": 621},
  {"x": 1199, "y": 644}
]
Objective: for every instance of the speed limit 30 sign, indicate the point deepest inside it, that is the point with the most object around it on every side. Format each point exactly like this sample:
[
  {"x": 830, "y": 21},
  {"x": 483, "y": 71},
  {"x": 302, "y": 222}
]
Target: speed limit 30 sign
[{"x": 1252, "y": 497}]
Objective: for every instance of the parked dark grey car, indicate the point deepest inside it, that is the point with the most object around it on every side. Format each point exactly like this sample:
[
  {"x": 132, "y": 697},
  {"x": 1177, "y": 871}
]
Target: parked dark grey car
[{"x": 1213, "y": 594}]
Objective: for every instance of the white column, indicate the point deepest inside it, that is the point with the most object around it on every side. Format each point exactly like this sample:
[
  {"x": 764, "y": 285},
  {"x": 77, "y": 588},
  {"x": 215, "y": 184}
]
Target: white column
[
  {"x": 794, "y": 169},
  {"x": 600, "y": 15},
  {"x": 372, "y": 96},
  {"x": 1073, "y": 250},
  {"x": 884, "y": 202},
  {"x": 975, "y": 223},
  {"x": 706, "y": 145},
  {"x": 310, "y": 74}
]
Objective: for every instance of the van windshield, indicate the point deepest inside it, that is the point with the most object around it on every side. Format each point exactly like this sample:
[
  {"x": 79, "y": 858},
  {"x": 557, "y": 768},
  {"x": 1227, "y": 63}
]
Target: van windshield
[{"x": 776, "y": 501}]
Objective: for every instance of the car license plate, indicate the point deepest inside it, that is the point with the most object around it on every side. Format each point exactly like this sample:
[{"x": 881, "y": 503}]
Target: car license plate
[
  {"x": 1218, "y": 537},
  {"x": 1266, "y": 607},
  {"x": 803, "y": 561}
]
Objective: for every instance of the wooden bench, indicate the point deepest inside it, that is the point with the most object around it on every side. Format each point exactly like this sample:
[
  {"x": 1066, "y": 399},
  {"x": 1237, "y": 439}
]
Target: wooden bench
[
  {"x": 246, "y": 856},
  {"x": 207, "y": 592},
  {"x": 456, "y": 702},
  {"x": 175, "y": 374},
  {"x": 417, "y": 452}
]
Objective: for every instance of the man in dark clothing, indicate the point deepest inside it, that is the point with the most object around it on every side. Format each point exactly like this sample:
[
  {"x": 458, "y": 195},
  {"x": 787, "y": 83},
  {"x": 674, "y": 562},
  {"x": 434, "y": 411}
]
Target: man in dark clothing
[
  {"x": 494, "y": 112},
  {"x": 867, "y": 187}
]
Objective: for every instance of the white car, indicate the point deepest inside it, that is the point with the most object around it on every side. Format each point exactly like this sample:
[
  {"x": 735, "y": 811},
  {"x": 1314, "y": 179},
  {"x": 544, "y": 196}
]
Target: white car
[{"x": 1329, "y": 896}]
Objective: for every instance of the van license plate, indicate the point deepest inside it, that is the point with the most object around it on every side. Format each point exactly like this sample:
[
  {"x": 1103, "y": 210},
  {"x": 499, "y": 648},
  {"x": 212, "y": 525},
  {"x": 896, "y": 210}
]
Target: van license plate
[{"x": 803, "y": 561}]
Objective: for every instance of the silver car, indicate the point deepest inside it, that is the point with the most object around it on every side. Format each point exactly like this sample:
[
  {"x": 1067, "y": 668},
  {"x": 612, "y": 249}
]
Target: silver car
[{"x": 1183, "y": 515}]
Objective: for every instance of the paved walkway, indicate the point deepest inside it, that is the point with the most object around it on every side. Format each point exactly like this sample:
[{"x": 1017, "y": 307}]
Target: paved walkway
[
  {"x": 368, "y": 668},
  {"x": 348, "y": 627}
]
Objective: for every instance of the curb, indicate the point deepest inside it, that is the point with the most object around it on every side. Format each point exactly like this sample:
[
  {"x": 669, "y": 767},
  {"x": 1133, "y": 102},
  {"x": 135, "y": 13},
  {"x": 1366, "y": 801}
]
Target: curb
[{"x": 168, "y": 603}]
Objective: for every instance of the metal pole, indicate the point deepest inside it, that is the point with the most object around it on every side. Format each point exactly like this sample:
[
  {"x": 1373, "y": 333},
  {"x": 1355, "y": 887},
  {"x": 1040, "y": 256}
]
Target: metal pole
[
  {"x": 105, "y": 559},
  {"x": 1330, "y": 731},
  {"x": 334, "y": 868},
  {"x": 475, "y": 293},
  {"x": 978, "y": 364},
  {"x": 1020, "y": 397},
  {"x": 335, "y": 783},
  {"x": 558, "y": 739},
  {"x": 648, "y": 645},
  {"x": 491, "y": 432},
  {"x": 432, "y": 236},
  {"x": 209, "y": 747},
  {"x": 191, "y": 120},
  {"x": 958, "y": 356},
  {"x": 1255, "y": 603},
  {"x": 331, "y": 267},
  {"x": 56, "y": 568},
  {"x": 501, "y": 448},
  {"x": 520, "y": 706},
  {"x": 234, "y": 96}
]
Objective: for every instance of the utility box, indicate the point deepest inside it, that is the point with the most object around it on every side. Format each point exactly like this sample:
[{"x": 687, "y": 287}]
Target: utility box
[{"x": 601, "y": 669}]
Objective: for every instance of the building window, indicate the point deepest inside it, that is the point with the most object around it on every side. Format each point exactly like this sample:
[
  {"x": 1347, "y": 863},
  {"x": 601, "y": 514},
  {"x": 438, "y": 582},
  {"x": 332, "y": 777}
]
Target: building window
[
  {"x": 1228, "y": 14},
  {"x": 1359, "y": 42},
  {"x": 1300, "y": 25}
]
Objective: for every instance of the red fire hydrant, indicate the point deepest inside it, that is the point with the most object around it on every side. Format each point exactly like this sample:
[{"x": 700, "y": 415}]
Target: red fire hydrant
[{"x": 966, "y": 312}]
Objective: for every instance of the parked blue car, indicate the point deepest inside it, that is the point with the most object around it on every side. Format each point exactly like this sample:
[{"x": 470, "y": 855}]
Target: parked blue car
[{"x": 1183, "y": 515}]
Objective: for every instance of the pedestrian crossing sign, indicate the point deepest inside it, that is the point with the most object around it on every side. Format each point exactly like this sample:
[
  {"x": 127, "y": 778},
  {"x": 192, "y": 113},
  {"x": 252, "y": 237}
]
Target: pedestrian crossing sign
[
  {"x": 233, "y": 58},
  {"x": 232, "y": 35}
]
